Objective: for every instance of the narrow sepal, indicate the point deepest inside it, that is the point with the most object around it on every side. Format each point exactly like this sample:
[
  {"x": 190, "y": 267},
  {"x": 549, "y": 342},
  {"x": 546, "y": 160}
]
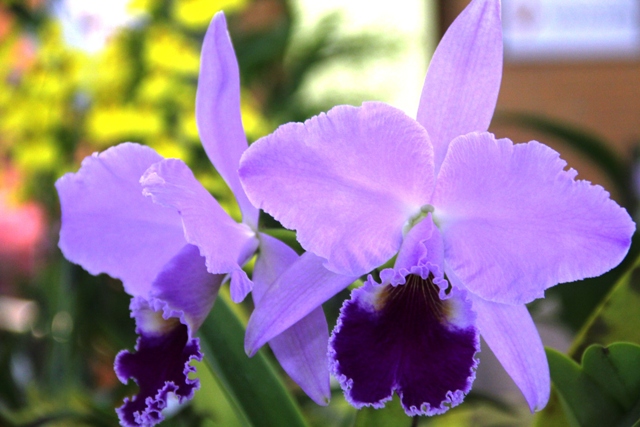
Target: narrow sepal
[
  {"x": 301, "y": 349},
  {"x": 301, "y": 289},
  {"x": 463, "y": 81},
  {"x": 218, "y": 111}
]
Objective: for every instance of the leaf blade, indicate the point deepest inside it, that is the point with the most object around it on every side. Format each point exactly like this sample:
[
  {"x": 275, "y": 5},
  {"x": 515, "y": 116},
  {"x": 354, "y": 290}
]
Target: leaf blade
[{"x": 253, "y": 384}]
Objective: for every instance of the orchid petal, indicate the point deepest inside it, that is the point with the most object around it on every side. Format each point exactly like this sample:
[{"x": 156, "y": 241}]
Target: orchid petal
[
  {"x": 159, "y": 366},
  {"x": 515, "y": 222},
  {"x": 185, "y": 289},
  {"x": 181, "y": 298},
  {"x": 462, "y": 84},
  {"x": 218, "y": 111},
  {"x": 512, "y": 336},
  {"x": 347, "y": 181},
  {"x": 409, "y": 336},
  {"x": 301, "y": 289},
  {"x": 225, "y": 244},
  {"x": 108, "y": 226},
  {"x": 301, "y": 349}
]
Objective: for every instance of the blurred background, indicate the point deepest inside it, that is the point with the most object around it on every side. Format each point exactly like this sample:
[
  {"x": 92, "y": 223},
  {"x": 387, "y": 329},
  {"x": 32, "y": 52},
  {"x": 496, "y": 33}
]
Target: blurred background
[{"x": 78, "y": 76}]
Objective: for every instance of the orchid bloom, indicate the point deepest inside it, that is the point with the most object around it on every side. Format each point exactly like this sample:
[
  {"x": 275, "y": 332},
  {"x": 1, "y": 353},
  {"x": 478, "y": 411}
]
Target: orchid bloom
[
  {"x": 480, "y": 226},
  {"x": 146, "y": 220}
]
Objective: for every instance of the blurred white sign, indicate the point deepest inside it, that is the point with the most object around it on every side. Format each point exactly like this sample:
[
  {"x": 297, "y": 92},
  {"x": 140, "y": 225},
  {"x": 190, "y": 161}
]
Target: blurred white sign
[{"x": 571, "y": 29}]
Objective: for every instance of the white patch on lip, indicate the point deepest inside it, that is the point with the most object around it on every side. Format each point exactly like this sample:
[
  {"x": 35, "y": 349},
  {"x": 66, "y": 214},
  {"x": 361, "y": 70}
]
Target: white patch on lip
[
  {"x": 458, "y": 310},
  {"x": 152, "y": 322}
]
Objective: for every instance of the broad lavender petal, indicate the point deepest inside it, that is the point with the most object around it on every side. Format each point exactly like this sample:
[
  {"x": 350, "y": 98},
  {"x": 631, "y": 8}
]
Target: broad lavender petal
[
  {"x": 185, "y": 290},
  {"x": 347, "y": 181},
  {"x": 218, "y": 111},
  {"x": 301, "y": 289},
  {"x": 515, "y": 222},
  {"x": 462, "y": 84},
  {"x": 159, "y": 366},
  {"x": 108, "y": 226},
  {"x": 225, "y": 244},
  {"x": 301, "y": 349},
  {"x": 411, "y": 335},
  {"x": 512, "y": 336}
]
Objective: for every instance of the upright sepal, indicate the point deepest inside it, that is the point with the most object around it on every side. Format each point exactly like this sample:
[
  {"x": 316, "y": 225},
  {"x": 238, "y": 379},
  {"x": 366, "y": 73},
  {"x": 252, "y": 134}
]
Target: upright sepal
[
  {"x": 218, "y": 111},
  {"x": 463, "y": 81}
]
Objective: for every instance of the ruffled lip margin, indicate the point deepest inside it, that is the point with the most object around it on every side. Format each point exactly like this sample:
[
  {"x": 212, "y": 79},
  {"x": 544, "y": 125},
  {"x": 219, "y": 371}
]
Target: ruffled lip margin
[
  {"x": 365, "y": 302},
  {"x": 160, "y": 365}
]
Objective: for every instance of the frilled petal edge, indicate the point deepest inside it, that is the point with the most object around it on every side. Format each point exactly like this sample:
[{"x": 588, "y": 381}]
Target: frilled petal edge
[
  {"x": 181, "y": 298},
  {"x": 225, "y": 244},
  {"x": 108, "y": 226},
  {"x": 515, "y": 223},
  {"x": 412, "y": 335},
  {"x": 159, "y": 366},
  {"x": 347, "y": 181}
]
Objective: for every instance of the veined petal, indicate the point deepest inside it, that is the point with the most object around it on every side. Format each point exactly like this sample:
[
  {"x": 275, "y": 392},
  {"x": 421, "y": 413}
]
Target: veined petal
[
  {"x": 515, "y": 222},
  {"x": 225, "y": 244},
  {"x": 218, "y": 111},
  {"x": 108, "y": 226},
  {"x": 159, "y": 366},
  {"x": 301, "y": 289},
  {"x": 347, "y": 181},
  {"x": 301, "y": 349},
  {"x": 462, "y": 84},
  {"x": 514, "y": 339},
  {"x": 410, "y": 335}
]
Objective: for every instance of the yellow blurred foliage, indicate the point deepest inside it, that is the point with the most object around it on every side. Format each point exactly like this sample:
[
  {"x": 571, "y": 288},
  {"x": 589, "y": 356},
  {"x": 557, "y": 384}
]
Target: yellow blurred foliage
[
  {"x": 170, "y": 149},
  {"x": 109, "y": 125},
  {"x": 196, "y": 14},
  {"x": 108, "y": 76},
  {"x": 254, "y": 123},
  {"x": 38, "y": 155},
  {"x": 170, "y": 50},
  {"x": 218, "y": 188},
  {"x": 59, "y": 104}
]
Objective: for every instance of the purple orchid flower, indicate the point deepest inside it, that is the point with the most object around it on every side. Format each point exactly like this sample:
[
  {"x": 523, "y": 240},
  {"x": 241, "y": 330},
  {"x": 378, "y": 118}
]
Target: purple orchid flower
[
  {"x": 173, "y": 246},
  {"x": 480, "y": 227}
]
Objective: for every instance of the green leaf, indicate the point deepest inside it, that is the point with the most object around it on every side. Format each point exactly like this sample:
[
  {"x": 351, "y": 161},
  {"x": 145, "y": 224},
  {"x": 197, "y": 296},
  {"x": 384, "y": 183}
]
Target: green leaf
[
  {"x": 605, "y": 390},
  {"x": 587, "y": 144},
  {"x": 617, "y": 318},
  {"x": 286, "y": 236},
  {"x": 391, "y": 415},
  {"x": 252, "y": 384}
]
